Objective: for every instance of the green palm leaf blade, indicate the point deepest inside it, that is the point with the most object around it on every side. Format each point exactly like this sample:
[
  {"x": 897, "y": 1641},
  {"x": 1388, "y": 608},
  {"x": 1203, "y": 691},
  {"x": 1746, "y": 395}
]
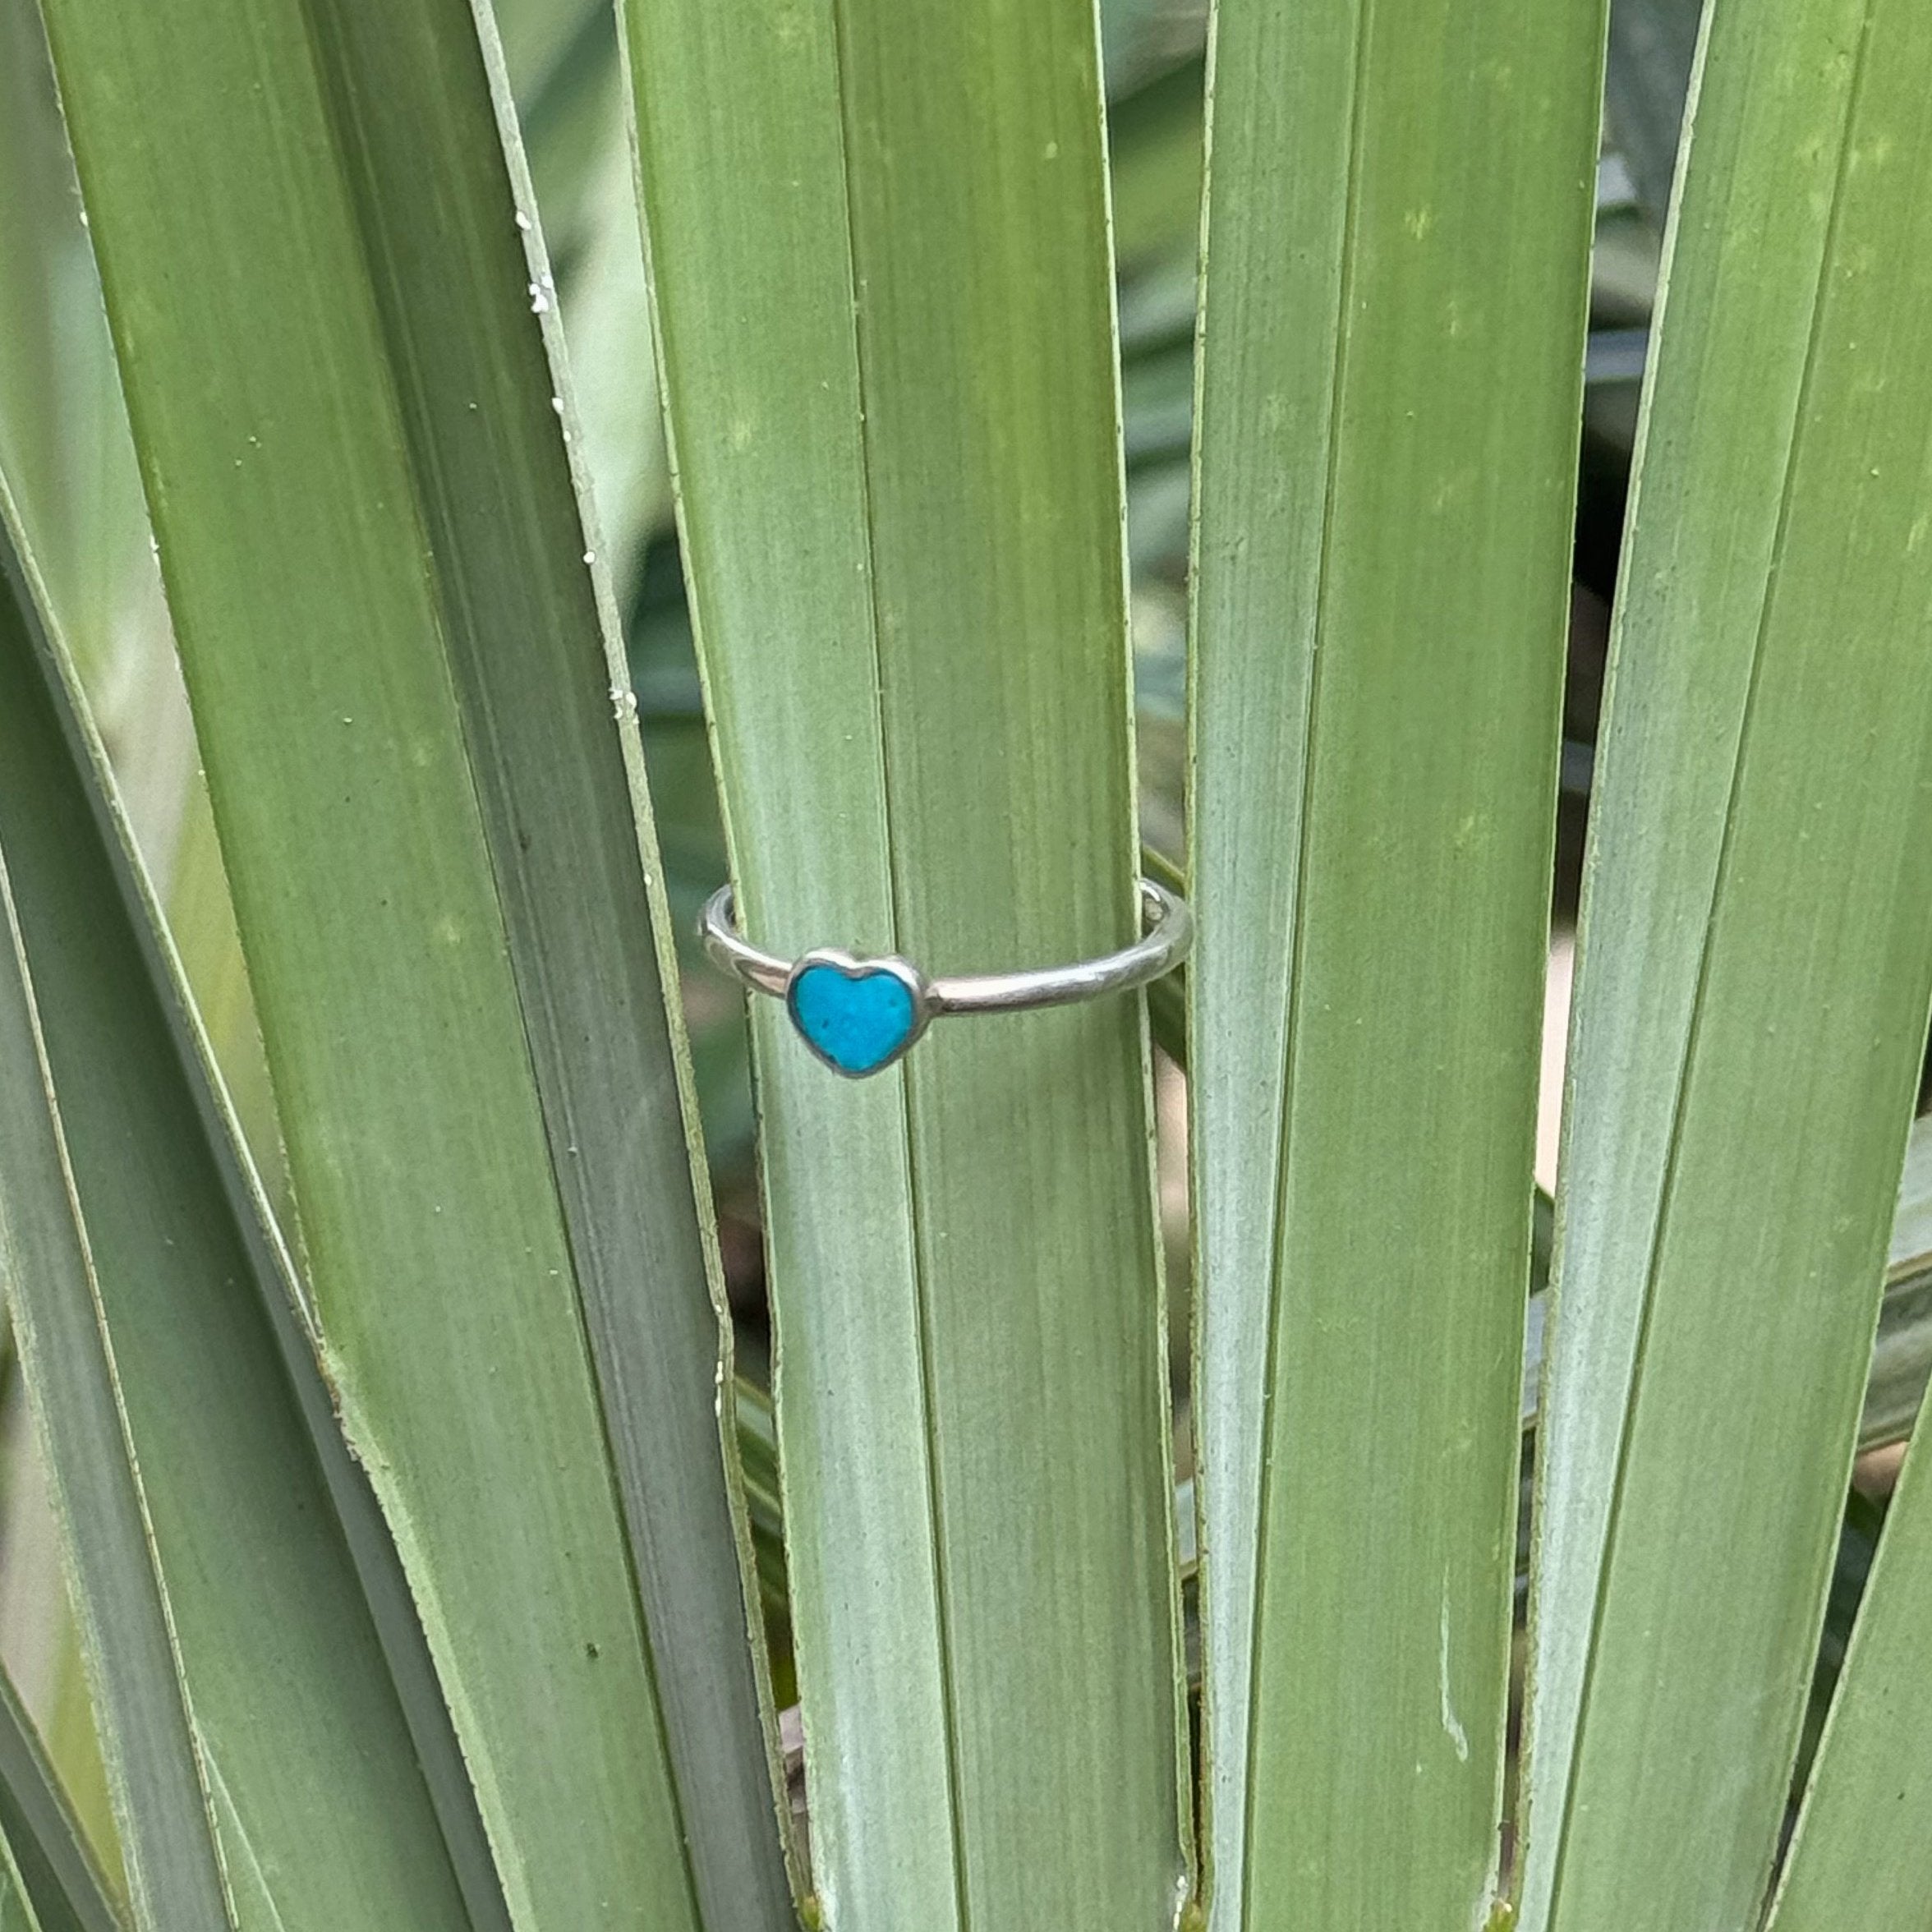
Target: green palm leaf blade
[
  {"x": 52, "y": 1865},
  {"x": 1862, "y": 1855},
  {"x": 292, "y": 1665},
  {"x": 61, "y": 433},
  {"x": 752, "y": 296},
  {"x": 16, "y": 1907},
  {"x": 173, "y": 1872},
  {"x": 32, "y": 213},
  {"x": 1755, "y": 972},
  {"x": 70, "y": 460},
  {"x": 323, "y": 294},
  {"x": 879, "y": 263},
  {"x": 1396, "y": 248}
]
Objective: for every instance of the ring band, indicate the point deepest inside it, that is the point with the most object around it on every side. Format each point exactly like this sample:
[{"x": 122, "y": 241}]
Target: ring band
[{"x": 859, "y": 1015}]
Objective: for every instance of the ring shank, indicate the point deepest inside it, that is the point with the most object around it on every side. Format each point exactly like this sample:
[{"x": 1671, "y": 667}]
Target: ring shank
[
  {"x": 1169, "y": 931},
  {"x": 1162, "y": 945},
  {"x": 717, "y": 927}
]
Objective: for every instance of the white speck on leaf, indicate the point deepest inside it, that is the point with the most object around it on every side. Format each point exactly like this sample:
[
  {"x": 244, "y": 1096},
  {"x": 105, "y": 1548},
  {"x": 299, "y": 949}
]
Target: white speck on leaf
[{"x": 1451, "y": 1724}]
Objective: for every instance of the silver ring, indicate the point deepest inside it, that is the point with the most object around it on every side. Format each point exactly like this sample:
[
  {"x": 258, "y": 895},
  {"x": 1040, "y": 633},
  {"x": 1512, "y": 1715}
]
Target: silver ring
[{"x": 859, "y": 1015}]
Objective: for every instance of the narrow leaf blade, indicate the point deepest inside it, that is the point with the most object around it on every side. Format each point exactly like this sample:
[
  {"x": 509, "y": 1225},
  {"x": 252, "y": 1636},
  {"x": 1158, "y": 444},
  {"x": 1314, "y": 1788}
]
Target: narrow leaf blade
[
  {"x": 533, "y": 642},
  {"x": 50, "y": 1857},
  {"x": 166, "y": 1837},
  {"x": 1396, "y": 264},
  {"x": 266, "y": 264},
  {"x": 1860, "y": 1857},
  {"x": 1754, "y": 977},
  {"x": 287, "y": 1668},
  {"x": 919, "y": 696}
]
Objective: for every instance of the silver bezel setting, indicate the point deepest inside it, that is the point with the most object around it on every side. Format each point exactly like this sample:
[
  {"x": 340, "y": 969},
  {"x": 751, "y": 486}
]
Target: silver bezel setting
[{"x": 859, "y": 966}]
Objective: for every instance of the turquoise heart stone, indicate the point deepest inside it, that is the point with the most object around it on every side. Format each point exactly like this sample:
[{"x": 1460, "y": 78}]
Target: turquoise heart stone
[{"x": 857, "y": 1020}]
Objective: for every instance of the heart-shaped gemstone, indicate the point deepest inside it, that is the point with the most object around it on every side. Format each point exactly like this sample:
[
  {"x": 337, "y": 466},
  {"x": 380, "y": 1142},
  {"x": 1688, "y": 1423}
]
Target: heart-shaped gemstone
[{"x": 856, "y": 1016}]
